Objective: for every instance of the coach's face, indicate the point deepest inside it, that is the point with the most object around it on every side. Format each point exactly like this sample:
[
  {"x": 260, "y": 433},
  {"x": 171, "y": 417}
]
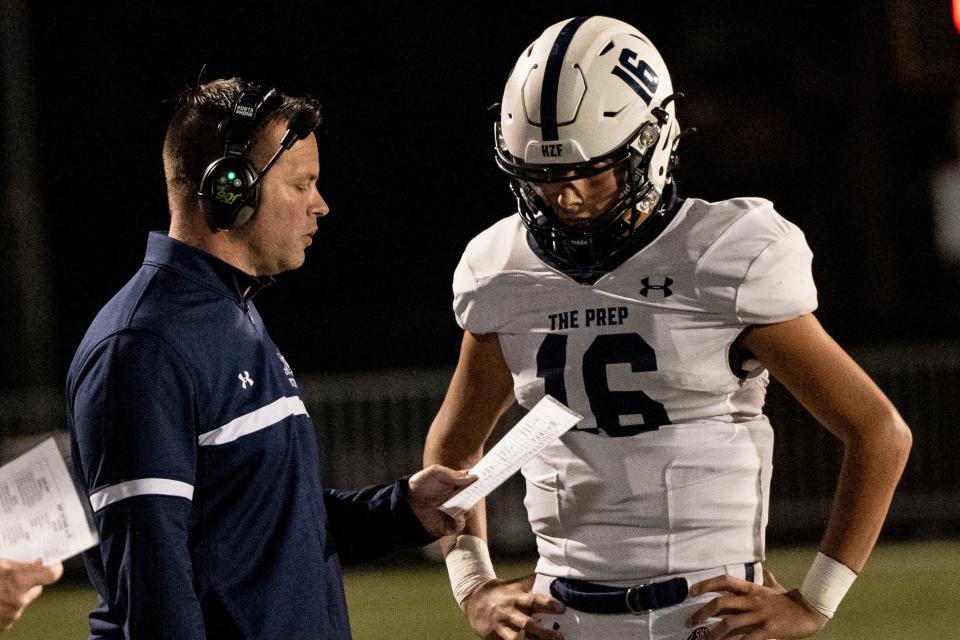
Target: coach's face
[{"x": 290, "y": 203}]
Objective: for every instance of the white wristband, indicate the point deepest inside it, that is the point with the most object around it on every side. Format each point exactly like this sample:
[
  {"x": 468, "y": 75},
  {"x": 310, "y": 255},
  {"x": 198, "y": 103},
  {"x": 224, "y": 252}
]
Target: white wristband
[
  {"x": 469, "y": 566},
  {"x": 826, "y": 583}
]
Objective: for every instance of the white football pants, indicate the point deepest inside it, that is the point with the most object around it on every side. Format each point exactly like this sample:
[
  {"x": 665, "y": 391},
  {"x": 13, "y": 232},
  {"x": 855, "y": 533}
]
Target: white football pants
[{"x": 660, "y": 624}]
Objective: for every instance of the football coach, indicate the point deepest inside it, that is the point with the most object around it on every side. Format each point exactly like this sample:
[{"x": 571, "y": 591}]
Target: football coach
[{"x": 188, "y": 431}]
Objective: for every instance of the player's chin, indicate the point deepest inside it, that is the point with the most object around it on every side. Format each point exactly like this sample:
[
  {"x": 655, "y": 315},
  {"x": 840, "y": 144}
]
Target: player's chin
[
  {"x": 580, "y": 218},
  {"x": 575, "y": 220}
]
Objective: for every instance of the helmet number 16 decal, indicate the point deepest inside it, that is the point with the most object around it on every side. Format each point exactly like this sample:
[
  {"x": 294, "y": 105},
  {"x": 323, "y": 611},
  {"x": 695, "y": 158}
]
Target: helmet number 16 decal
[
  {"x": 637, "y": 73},
  {"x": 607, "y": 406}
]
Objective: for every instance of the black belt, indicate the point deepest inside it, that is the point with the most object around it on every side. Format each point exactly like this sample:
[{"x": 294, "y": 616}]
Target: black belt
[
  {"x": 591, "y": 597},
  {"x": 599, "y": 598}
]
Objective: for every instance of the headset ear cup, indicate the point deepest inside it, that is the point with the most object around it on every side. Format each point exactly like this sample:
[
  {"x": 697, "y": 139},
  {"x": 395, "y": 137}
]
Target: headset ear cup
[
  {"x": 223, "y": 186},
  {"x": 248, "y": 208}
]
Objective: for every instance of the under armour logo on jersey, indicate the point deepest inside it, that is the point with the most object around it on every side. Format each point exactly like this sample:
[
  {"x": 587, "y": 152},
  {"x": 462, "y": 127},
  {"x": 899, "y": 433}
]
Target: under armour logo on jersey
[
  {"x": 665, "y": 287},
  {"x": 245, "y": 379}
]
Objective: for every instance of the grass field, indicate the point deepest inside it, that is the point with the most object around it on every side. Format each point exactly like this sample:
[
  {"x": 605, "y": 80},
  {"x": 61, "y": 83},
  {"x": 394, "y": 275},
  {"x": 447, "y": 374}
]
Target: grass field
[{"x": 908, "y": 591}]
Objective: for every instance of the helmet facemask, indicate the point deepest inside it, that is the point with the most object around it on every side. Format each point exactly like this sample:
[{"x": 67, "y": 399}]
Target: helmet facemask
[{"x": 589, "y": 245}]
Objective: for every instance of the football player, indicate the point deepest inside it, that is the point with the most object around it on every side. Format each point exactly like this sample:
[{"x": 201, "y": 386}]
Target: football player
[{"x": 658, "y": 318}]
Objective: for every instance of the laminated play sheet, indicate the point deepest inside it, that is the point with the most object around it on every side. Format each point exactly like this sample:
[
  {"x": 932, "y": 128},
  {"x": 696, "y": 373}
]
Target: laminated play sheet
[{"x": 548, "y": 420}]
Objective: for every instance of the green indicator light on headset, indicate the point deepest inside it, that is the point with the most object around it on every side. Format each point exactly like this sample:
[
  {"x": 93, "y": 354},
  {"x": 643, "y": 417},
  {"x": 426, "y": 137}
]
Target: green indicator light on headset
[{"x": 231, "y": 175}]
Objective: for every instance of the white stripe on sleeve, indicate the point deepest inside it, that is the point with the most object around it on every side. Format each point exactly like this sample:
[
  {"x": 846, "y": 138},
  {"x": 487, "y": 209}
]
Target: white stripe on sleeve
[
  {"x": 248, "y": 423},
  {"x": 141, "y": 487}
]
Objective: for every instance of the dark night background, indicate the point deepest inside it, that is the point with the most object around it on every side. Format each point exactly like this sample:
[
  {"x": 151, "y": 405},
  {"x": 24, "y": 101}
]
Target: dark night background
[{"x": 836, "y": 111}]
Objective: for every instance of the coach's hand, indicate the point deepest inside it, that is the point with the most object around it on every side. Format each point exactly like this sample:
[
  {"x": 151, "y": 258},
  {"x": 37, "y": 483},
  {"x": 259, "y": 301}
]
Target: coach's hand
[
  {"x": 754, "y": 612},
  {"x": 20, "y": 584},
  {"x": 430, "y": 488},
  {"x": 501, "y": 609}
]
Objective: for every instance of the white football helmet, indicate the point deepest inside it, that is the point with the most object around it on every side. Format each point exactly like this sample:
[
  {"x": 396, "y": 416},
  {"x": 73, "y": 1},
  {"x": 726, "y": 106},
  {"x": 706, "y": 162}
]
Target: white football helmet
[{"x": 589, "y": 93}]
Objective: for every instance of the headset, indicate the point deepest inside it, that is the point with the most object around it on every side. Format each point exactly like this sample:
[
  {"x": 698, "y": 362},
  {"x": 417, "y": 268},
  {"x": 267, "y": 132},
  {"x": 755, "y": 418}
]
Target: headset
[{"x": 230, "y": 184}]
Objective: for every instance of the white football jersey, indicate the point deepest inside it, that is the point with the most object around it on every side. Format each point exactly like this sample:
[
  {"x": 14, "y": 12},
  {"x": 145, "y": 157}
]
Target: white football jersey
[{"x": 669, "y": 471}]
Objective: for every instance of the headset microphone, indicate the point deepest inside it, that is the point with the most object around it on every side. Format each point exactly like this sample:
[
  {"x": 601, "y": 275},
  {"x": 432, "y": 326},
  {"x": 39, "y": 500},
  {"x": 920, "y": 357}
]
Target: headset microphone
[{"x": 301, "y": 124}]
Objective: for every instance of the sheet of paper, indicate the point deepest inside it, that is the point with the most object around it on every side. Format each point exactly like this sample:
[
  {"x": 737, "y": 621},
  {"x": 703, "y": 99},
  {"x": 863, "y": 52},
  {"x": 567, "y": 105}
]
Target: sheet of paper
[
  {"x": 41, "y": 515},
  {"x": 548, "y": 420}
]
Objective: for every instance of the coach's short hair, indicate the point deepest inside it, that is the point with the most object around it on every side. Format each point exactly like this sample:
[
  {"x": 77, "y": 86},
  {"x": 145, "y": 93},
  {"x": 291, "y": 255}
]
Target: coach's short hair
[{"x": 194, "y": 140}]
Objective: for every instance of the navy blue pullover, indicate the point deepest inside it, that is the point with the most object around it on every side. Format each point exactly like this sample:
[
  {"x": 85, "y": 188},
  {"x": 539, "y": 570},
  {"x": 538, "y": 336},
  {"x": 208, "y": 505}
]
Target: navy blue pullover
[{"x": 202, "y": 468}]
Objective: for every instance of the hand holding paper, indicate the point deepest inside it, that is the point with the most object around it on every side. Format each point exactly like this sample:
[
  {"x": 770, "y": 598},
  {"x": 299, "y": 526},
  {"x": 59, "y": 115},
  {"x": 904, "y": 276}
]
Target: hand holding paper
[{"x": 546, "y": 422}]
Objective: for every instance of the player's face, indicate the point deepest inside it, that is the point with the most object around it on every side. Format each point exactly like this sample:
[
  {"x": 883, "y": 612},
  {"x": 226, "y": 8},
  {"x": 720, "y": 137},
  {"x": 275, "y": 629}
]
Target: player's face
[
  {"x": 290, "y": 203},
  {"x": 580, "y": 200}
]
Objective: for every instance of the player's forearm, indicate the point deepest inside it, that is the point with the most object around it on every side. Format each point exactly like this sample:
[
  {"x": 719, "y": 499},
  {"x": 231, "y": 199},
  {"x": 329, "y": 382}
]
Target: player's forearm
[
  {"x": 456, "y": 439},
  {"x": 465, "y": 421},
  {"x": 451, "y": 447},
  {"x": 468, "y": 564},
  {"x": 873, "y": 462},
  {"x": 480, "y": 392},
  {"x": 843, "y": 398},
  {"x": 442, "y": 448}
]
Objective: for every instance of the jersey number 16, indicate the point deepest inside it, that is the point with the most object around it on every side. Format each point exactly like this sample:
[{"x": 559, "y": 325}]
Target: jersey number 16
[{"x": 607, "y": 406}]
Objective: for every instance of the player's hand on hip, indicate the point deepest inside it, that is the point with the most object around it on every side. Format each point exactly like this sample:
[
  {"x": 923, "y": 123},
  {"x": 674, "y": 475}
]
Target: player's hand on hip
[
  {"x": 754, "y": 612},
  {"x": 501, "y": 609},
  {"x": 430, "y": 488},
  {"x": 20, "y": 584}
]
